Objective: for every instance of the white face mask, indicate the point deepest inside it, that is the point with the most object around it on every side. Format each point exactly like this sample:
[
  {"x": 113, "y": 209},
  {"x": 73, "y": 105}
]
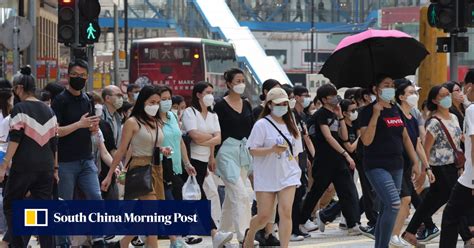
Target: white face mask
[
  {"x": 151, "y": 110},
  {"x": 354, "y": 116},
  {"x": 373, "y": 98},
  {"x": 412, "y": 100},
  {"x": 98, "y": 109},
  {"x": 312, "y": 111},
  {"x": 239, "y": 88},
  {"x": 135, "y": 96},
  {"x": 208, "y": 100},
  {"x": 292, "y": 103},
  {"x": 307, "y": 102},
  {"x": 165, "y": 105},
  {"x": 118, "y": 102}
]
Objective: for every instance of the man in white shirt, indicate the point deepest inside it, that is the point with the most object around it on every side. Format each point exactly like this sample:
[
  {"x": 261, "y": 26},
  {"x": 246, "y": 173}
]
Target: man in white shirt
[{"x": 461, "y": 201}]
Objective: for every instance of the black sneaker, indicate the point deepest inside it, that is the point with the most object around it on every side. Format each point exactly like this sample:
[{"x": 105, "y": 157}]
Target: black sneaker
[
  {"x": 428, "y": 234},
  {"x": 420, "y": 230},
  {"x": 190, "y": 240},
  {"x": 110, "y": 237},
  {"x": 368, "y": 231},
  {"x": 271, "y": 241},
  {"x": 343, "y": 226},
  {"x": 260, "y": 237},
  {"x": 300, "y": 233}
]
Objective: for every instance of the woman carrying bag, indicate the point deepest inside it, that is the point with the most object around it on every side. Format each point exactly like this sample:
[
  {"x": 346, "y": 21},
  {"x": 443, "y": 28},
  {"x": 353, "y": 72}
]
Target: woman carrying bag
[
  {"x": 274, "y": 143},
  {"x": 142, "y": 132}
]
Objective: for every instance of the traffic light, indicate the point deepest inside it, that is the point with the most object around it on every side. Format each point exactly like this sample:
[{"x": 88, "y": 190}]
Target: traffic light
[
  {"x": 66, "y": 19},
  {"x": 442, "y": 14},
  {"x": 469, "y": 13},
  {"x": 89, "y": 11}
]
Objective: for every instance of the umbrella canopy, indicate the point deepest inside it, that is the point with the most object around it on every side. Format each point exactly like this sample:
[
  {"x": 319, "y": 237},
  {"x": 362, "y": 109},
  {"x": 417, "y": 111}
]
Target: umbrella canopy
[{"x": 360, "y": 58}]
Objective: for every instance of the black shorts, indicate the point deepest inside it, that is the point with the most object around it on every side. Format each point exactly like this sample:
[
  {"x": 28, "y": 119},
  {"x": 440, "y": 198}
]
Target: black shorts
[{"x": 407, "y": 185}]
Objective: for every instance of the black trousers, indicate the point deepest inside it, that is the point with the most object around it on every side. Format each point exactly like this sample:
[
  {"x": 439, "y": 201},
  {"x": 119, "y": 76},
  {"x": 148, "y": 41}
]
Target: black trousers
[
  {"x": 201, "y": 172},
  {"x": 416, "y": 201},
  {"x": 296, "y": 210},
  {"x": 327, "y": 171},
  {"x": 440, "y": 191},
  {"x": 367, "y": 201},
  {"x": 460, "y": 204},
  {"x": 40, "y": 185}
]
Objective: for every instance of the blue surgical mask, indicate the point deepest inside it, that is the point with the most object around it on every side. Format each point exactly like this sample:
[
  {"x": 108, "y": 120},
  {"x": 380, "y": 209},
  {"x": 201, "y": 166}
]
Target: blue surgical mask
[
  {"x": 165, "y": 106},
  {"x": 307, "y": 102},
  {"x": 446, "y": 102},
  {"x": 279, "y": 110},
  {"x": 387, "y": 94},
  {"x": 135, "y": 96}
]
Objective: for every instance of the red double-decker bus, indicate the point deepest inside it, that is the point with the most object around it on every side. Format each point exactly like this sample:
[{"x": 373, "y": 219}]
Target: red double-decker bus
[{"x": 180, "y": 63}]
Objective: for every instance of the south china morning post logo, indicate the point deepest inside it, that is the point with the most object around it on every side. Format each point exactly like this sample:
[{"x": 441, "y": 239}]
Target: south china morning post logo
[
  {"x": 36, "y": 217},
  {"x": 111, "y": 218}
]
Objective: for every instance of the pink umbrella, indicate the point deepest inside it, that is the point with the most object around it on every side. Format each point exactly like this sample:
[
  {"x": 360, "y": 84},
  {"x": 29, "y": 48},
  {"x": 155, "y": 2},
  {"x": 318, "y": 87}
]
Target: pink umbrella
[{"x": 359, "y": 59}]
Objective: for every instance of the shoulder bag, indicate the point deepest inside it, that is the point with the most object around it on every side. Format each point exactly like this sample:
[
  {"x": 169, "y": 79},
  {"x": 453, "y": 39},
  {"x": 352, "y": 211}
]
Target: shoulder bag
[
  {"x": 282, "y": 135},
  {"x": 459, "y": 158},
  {"x": 139, "y": 180}
]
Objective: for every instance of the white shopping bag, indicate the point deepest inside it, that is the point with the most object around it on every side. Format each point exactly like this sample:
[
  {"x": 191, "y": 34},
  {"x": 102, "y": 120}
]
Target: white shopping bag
[{"x": 191, "y": 190}]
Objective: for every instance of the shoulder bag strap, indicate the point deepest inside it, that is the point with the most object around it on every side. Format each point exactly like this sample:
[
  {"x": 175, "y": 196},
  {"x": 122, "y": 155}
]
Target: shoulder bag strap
[
  {"x": 448, "y": 135},
  {"x": 286, "y": 139}
]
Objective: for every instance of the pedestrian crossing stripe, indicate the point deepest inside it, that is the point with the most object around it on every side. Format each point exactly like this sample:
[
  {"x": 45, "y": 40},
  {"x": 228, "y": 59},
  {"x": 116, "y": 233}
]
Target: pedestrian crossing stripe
[{"x": 36, "y": 217}]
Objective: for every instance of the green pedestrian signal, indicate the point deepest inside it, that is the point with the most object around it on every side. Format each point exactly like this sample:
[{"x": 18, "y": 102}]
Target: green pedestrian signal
[
  {"x": 433, "y": 15},
  {"x": 91, "y": 32}
]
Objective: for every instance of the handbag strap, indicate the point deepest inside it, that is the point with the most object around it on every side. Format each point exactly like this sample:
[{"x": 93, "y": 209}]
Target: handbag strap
[
  {"x": 448, "y": 135},
  {"x": 286, "y": 139}
]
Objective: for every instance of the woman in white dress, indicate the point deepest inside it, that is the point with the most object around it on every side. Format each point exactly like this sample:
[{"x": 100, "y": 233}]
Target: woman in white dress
[{"x": 274, "y": 143}]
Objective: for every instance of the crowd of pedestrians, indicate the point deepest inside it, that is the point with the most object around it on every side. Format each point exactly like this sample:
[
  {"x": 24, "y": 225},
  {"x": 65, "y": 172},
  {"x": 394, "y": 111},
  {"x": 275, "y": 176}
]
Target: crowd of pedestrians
[{"x": 279, "y": 164}]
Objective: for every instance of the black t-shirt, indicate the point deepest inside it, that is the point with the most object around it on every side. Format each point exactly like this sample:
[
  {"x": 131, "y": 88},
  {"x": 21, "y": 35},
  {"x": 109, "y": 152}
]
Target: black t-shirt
[
  {"x": 69, "y": 109},
  {"x": 386, "y": 150},
  {"x": 256, "y": 112},
  {"x": 234, "y": 124},
  {"x": 324, "y": 150},
  {"x": 413, "y": 131},
  {"x": 352, "y": 135},
  {"x": 34, "y": 127},
  {"x": 301, "y": 124}
]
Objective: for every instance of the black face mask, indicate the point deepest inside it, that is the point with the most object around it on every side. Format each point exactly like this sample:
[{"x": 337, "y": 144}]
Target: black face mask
[{"x": 77, "y": 83}]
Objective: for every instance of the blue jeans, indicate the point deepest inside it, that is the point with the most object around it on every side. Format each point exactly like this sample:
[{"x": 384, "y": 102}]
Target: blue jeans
[
  {"x": 83, "y": 174},
  {"x": 387, "y": 185}
]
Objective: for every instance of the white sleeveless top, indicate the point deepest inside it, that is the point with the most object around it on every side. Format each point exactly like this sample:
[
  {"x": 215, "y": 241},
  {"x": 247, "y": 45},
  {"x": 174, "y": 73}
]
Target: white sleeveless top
[{"x": 142, "y": 142}]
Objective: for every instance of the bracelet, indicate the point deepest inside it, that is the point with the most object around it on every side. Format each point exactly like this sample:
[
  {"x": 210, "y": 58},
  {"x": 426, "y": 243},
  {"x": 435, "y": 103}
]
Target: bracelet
[
  {"x": 343, "y": 153},
  {"x": 341, "y": 119},
  {"x": 187, "y": 164}
]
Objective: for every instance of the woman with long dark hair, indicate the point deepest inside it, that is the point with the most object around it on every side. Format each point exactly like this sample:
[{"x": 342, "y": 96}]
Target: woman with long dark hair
[
  {"x": 202, "y": 125},
  {"x": 441, "y": 159},
  {"x": 140, "y": 132},
  {"x": 458, "y": 101},
  {"x": 274, "y": 143}
]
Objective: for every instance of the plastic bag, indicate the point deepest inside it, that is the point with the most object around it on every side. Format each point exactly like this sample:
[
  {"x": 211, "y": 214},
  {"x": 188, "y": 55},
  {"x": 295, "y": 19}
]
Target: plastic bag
[{"x": 191, "y": 190}]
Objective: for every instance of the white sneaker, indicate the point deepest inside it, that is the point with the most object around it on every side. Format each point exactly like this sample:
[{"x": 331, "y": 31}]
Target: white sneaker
[
  {"x": 296, "y": 237},
  {"x": 321, "y": 225},
  {"x": 403, "y": 241},
  {"x": 354, "y": 231},
  {"x": 219, "y": 240},
  {"x": 309, "y": 226},
  {"x": 396, "y": 242}
]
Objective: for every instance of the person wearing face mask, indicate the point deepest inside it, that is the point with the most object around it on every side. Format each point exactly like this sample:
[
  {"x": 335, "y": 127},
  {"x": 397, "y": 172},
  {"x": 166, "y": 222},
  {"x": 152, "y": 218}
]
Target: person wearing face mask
[
  {"x": 384, "y": 136},
  {"x": 178, "y": 107},
  {"x": 332, "y": 163},
  {"x": 202, "y": 125},
  {"x": 111, "y": 126},
  {"x": 142, "y": 133},
  {"x": 132, "y": 93},
  {"x": 461, "y": 200},
  {"x": 233, "y": 159},
  {"x": 441, "y": 159},
  {"x": 172, "y": 168},
  {"x": 31, "y": 158},
  {"x": 266, "y": 87},
  {"x": 302, "y": 101},
  {"x": 407, "y": 99},
  {"x": 75, "y": 113},
  {"x": 274, "y": 143}
]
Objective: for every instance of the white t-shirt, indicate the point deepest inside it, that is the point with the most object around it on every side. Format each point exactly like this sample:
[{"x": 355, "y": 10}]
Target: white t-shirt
[
  {"x": 274, "y": 172},
  {"x": 4, "y": 130},
  {"x": 193, "y": 120},
  {"x": 466, "y": 179}
]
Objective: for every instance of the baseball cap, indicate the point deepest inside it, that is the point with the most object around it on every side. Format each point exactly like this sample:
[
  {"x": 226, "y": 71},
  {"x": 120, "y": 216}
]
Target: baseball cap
[{"x": 277, "y": 95}]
